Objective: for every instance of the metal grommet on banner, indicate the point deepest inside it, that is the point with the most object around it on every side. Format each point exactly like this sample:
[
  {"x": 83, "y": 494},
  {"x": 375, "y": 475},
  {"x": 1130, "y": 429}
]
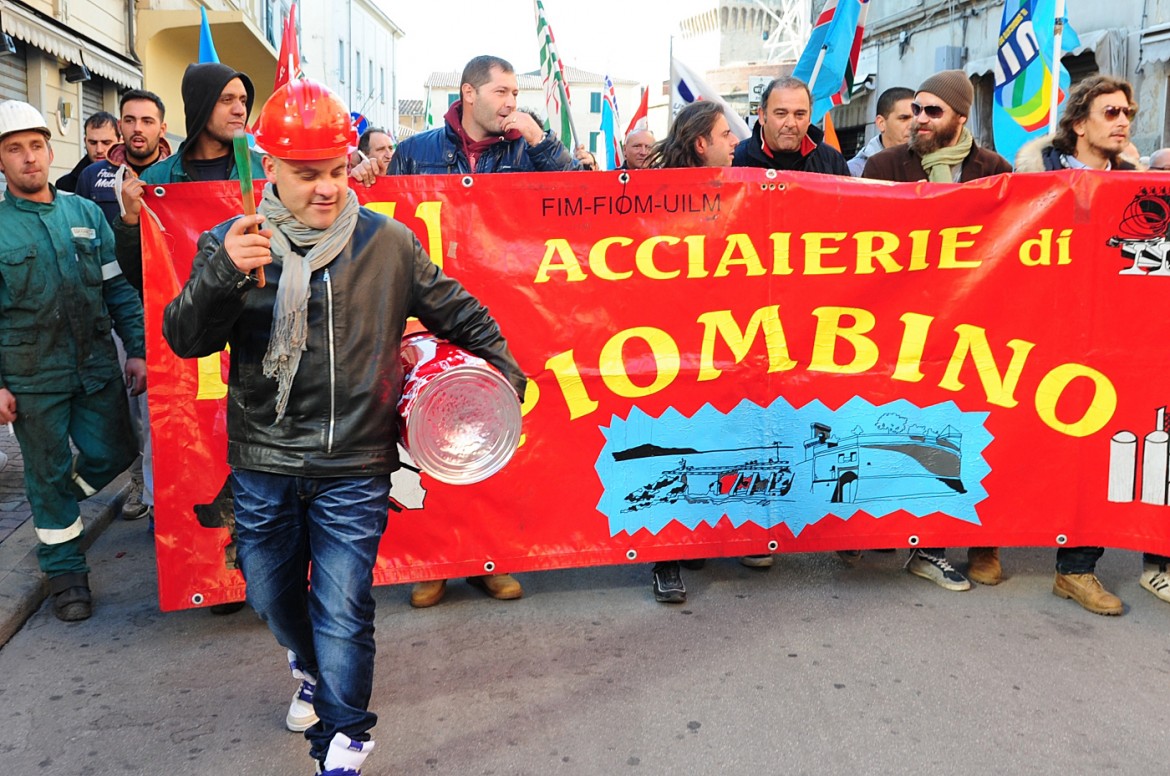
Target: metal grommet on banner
[
  {"x": 631, "y": 554},
  {"x": 769, "y": 173},
  {"x": 913, "y": 541},
  {"x": 197, "y": 599},
  {"x": 773, "y": 545},
  {"x": 624, "y": 178},
  {"x": 159, "y": 191},
  {"x": 781, "y": 186},
  {"x": 467, "y": 181},
  {"x": 489, "y": 567},
  {"x": 1061, "y": 539}
]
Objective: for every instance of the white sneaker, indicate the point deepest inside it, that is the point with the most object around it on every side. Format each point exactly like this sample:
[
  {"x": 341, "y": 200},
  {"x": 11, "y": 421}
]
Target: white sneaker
[
  {"x": 1155, "y": 579},
  {"x": 301, "y": 714},
  {"x": 345, "y": 756}
]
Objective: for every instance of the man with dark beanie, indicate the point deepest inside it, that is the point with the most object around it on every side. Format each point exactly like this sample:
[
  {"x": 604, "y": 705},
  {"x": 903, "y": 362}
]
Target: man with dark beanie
[
  {"x": 941, "y": 148},
  {"x": 216, "y": 102}
]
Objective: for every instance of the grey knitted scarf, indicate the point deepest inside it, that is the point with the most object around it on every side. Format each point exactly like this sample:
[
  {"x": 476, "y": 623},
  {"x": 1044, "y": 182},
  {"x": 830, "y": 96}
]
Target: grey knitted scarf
[{"x": 290, "y": 320}]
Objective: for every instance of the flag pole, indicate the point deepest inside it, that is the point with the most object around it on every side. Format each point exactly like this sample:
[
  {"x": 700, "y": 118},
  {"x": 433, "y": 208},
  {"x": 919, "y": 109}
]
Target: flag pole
[{"x": 1057, "y": 35}]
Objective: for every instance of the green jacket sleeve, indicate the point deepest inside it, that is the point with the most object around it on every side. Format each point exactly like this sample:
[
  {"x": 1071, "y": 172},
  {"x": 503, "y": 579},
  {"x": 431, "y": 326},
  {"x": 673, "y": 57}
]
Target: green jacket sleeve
[{"x": 121, "y": 298}]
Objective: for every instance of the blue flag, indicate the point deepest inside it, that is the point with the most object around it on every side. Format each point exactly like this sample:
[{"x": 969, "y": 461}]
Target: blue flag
[
  {"x": 829, "y": 61},
  {"x": 206, "y": 44},
  {"x": 1024, "y": 72}
]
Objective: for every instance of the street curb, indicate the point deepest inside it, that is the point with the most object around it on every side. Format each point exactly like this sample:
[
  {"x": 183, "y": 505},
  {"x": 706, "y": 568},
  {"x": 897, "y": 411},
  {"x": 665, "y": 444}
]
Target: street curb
[{"x": 22, "y": 586}]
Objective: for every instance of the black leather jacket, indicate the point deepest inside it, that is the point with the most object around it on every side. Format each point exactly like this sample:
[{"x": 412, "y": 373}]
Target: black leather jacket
[{"x": 341, "y": 418}]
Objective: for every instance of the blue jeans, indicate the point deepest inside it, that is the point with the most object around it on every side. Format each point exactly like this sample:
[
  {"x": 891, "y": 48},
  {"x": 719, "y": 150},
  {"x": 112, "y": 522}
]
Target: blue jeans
[
  {"x": 307, "y": 548},
  {"x": 1078, "y": 560}
]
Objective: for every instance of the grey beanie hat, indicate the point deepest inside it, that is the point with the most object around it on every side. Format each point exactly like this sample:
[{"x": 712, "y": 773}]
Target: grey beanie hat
[{"x": 953, "y": 87}]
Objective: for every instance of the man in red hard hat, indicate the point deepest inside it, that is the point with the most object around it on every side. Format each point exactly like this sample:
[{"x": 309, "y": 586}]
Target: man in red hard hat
[{"x": 312, "y": 392}]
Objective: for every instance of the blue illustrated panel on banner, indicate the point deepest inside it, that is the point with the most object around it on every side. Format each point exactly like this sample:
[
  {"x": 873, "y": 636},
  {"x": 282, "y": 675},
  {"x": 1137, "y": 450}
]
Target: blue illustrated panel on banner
[{"x": 781, "y": 465}]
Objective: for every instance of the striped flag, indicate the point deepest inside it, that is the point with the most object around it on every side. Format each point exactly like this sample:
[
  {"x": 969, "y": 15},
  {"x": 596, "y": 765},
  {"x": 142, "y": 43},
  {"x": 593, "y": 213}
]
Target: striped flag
[
  {"x": 829, "y": 61},
  {"x": 609, "y": 127},
  {"x": 687, "y": 87},
  {"x": 556, "y": 88},
  {"x": 1021, "y": 109}
]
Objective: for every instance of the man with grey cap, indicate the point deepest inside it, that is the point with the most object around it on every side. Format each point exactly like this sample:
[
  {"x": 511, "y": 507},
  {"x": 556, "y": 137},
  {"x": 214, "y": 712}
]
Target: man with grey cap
[
  {"x": 942, "y": 150},
  {"x": 941, "y": 147},
  {"x": 61, "y": 292}
]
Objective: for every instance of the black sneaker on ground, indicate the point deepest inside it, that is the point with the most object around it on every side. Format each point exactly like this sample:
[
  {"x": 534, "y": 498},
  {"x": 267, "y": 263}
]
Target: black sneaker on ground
[
  {"x": 228, "y": 608},
  {"x": 668, "y": 584},
  {"x": 933, "y": 565}
]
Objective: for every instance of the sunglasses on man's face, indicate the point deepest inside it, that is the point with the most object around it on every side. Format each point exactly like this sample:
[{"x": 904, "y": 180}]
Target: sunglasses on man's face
[
  {"x": 931, "y": 111},
  {"x": 1112, "y": 112}
]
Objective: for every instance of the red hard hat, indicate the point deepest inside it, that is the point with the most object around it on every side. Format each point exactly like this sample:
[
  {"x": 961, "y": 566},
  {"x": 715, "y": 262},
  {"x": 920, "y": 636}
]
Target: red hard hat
[{"x": 304, "y": 120}]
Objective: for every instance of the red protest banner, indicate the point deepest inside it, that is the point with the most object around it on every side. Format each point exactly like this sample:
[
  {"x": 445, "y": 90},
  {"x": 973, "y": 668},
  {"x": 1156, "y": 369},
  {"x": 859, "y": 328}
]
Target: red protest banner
[{"x": 733, "y": 362}]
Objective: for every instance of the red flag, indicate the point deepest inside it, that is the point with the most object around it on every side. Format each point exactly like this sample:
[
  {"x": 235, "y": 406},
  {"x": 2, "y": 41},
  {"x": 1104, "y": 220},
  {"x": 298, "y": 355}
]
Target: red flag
[
  {"x": 639, "y": 121},
  {"x": 288, "y": 63}
]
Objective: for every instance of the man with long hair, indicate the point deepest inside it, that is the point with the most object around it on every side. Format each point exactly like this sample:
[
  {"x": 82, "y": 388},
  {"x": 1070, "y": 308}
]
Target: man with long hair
[
  {"x": 699, "y": 137},
  {"x": 1092, "y": 134}
]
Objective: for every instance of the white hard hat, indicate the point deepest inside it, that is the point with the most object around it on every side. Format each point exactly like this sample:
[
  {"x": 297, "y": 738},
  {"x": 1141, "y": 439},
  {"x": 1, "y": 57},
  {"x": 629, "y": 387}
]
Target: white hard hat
[{"x": 17, "y": 116}]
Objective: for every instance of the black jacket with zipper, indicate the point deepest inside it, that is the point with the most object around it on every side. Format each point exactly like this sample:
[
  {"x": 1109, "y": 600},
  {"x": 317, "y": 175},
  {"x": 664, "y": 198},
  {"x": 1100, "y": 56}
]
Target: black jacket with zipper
[{"x": 341, "y": 418}]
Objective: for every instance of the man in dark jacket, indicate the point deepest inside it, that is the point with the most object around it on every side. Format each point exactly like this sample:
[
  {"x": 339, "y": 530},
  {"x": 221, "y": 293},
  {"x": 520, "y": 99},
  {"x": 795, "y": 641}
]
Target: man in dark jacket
[
  {"x": 144, "y": 128},
  {"x": 310, "y": 364},
  {"x": 941, "y": 148},
  {"x": 784, "y": 138},
  {"x": 101, "y": 133},
  {"x": 483, "y": 131}
]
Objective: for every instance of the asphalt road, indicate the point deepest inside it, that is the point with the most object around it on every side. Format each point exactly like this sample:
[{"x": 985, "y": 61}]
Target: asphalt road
[{"x": 811, "y": 667}]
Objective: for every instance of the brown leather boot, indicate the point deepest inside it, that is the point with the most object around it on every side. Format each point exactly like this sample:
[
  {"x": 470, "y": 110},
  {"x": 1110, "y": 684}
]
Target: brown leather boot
[
  {"x": 983, "y": 565},
  {"x": 501, "y": 586},
  {"x": 1087, "y": 591},
  {"x": 426, "y": 594}
]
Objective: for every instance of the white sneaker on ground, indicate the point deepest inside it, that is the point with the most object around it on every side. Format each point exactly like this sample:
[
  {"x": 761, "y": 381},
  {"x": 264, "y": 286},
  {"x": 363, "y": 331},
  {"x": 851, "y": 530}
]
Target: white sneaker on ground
[
  {"x": 1155, "y": 579},
  {"x": 301, "y": 714},
  {"x": 345, "y": 756}
]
